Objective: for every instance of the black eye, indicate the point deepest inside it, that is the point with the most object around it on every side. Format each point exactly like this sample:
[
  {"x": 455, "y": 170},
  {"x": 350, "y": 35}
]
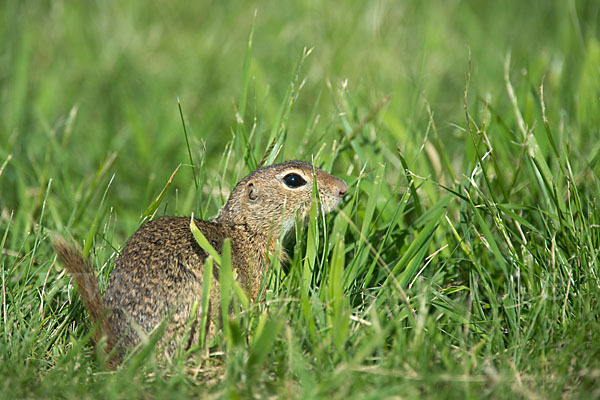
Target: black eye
[{"x": 294, "y": 180}]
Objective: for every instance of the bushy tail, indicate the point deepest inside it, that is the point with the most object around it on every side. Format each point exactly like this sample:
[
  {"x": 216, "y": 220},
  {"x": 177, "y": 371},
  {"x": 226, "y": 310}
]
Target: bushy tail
[{"x": 82, "y": 271}]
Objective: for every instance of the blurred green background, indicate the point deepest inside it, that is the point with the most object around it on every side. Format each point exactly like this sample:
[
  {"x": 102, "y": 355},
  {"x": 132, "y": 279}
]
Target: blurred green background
[{"x": 122, "y": 66}]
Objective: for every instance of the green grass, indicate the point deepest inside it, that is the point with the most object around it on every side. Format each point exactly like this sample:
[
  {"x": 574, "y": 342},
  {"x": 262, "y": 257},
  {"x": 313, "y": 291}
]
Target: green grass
[{"x": 463, "y": 263}]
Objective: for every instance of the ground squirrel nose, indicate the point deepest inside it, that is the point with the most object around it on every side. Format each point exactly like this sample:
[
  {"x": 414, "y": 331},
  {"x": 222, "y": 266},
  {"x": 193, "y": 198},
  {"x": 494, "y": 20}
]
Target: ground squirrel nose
[{"x": 343, "y": 189}]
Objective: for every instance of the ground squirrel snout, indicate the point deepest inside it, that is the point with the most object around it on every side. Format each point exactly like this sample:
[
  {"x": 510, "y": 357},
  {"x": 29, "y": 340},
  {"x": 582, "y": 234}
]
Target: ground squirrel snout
[
  {"x": 159, "y": 272},
  {"x": 274, "y": 195}
]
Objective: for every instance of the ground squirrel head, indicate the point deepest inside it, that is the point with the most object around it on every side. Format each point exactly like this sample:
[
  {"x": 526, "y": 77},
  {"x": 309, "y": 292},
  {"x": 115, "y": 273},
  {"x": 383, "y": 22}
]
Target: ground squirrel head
[{"x": 268, "y": 200}]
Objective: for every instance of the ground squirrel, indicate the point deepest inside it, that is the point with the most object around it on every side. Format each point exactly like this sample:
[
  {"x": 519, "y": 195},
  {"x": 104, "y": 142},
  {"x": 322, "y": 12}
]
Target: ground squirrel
[{"x": 160, "y": 270}]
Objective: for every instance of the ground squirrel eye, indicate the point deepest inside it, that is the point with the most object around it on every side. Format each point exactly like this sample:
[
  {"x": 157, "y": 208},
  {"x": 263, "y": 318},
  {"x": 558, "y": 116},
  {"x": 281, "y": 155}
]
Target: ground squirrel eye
[{"x": 294, "y": 180}]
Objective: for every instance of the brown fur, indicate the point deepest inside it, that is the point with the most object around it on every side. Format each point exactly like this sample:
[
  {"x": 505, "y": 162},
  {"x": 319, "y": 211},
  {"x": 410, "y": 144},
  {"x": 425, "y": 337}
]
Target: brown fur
[{"x": 159, "y": 272}]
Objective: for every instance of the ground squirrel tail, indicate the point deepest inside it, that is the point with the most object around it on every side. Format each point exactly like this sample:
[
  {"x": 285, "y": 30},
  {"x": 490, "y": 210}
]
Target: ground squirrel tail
[{"x": 83, "y": 273}]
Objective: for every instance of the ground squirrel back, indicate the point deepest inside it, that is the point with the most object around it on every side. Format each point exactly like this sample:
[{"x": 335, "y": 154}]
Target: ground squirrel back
[{"x": 160, "y": 270}]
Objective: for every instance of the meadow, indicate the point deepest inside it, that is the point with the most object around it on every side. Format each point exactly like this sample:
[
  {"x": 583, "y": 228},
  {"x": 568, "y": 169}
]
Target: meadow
[{"x": 463, "y": 262}]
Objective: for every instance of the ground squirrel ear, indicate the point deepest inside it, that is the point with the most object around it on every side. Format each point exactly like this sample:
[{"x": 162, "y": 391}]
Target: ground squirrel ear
[{"x": 251, "y": 191}]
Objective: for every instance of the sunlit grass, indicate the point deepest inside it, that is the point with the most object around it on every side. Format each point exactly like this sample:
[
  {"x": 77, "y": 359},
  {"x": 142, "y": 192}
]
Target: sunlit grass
[{"x": 462, "y": 263}]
